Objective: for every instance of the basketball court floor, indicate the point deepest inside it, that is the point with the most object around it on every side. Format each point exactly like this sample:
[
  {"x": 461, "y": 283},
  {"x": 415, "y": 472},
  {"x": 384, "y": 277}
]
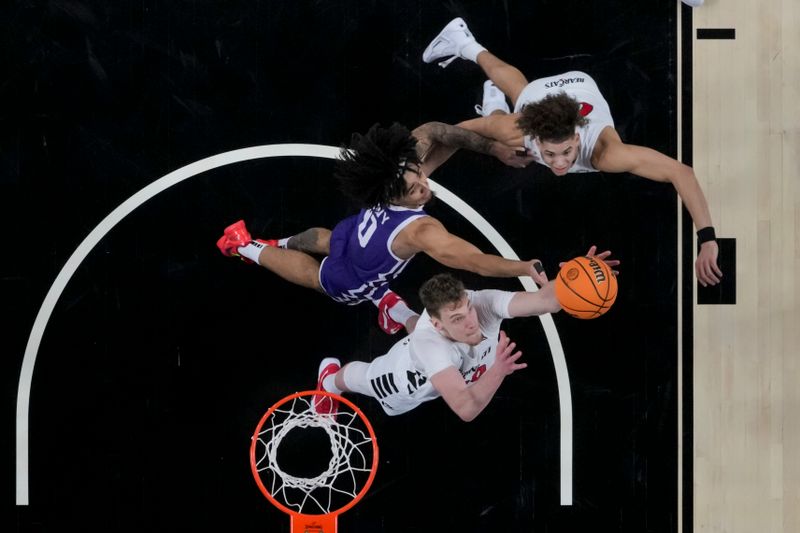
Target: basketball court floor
[{"x": 139, "y": 359}]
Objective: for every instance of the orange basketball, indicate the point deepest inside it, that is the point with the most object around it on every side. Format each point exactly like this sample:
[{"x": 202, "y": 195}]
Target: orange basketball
[{"x": 586, "y": 287}]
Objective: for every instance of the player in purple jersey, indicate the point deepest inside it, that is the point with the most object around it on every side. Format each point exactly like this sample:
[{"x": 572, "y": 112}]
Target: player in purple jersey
[{"x": 386, "y": 172}]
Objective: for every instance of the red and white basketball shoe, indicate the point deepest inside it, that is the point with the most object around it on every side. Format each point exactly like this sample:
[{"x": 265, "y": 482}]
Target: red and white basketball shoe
[
  {"x": 236, "y": 235},
  {"x": 386, "y": 322},
  {"x": 325, "y": 405}
]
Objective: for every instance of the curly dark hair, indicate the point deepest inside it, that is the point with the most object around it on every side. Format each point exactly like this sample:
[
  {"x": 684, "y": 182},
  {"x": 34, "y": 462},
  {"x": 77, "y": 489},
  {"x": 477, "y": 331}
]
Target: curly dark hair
[
  {"x": 370, "y": 171},
  {"x": 439, "y": 291},
  {"x": 553, "y": 118}
]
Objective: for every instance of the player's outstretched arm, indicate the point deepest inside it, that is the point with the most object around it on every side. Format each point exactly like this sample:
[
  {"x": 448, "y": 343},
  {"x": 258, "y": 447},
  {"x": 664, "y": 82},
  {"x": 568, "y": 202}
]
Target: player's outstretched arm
[
  {"x": 430, "y": 236},
  {"x": 437, "y": 141},
  {"x": 648, "y": 163},
  {"x": 469, "y": 402},
  {"x": 502, "y": 128},
  {"x": 535, "y": 303}
]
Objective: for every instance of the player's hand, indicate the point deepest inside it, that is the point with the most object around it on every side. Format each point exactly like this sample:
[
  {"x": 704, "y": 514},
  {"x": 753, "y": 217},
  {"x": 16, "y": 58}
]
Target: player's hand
[
  {"x": 603, "y": 256},
  {"x": 513, "y": 156},
  {"x": 708, "y": 273},
  {"x": 536, "y": 271},
  {"x": 505, "y": 357}
]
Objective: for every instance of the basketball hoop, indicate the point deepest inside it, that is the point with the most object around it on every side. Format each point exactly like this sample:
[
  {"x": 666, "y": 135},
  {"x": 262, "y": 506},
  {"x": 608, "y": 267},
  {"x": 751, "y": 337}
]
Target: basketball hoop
[{"x": 313, "y": 502}]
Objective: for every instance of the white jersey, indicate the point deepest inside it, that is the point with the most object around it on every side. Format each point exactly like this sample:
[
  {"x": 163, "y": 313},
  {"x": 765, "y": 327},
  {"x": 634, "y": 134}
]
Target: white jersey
[
  {"x": 400, "y": 380},
  {"x": 594, "y": 107}
]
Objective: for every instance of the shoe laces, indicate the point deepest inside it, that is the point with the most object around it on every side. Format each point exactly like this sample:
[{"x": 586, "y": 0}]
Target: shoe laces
[{"x": 446, "y": 62}]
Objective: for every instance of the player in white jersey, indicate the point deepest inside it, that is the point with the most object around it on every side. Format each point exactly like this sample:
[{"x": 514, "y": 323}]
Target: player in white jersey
[
  {"x": 593, "y": 108},
  {"x": 457, "y": 350},
  {"x": 566, "y": 124}
]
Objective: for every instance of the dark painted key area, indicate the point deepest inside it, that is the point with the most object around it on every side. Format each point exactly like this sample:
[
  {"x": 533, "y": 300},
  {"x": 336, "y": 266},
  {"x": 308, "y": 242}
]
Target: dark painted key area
[{"x": 161, "y": 355}]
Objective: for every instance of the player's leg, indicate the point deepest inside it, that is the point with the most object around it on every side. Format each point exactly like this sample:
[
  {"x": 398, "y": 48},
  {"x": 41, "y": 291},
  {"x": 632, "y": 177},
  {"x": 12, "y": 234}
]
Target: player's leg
[
  {"x": 310, "y": 241},
  {"x": 296, "y": 267},
  {"x": 456, "y": 40},
  {"x": 385, "y": 379},
  {"x": 292, "y": 265}
]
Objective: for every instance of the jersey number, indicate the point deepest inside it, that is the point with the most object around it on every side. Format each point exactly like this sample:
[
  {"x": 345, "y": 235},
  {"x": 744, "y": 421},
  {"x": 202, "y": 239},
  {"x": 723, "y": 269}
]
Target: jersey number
[
  {"x": 415, "y": 380},
  {"x": 478, "y": 373},
  {"x": 369, "y": 224}
]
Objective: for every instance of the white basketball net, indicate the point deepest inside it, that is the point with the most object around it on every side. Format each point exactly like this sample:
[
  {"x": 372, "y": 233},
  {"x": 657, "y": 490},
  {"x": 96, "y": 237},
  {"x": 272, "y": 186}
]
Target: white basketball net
[{"x": 348, "y": 468}]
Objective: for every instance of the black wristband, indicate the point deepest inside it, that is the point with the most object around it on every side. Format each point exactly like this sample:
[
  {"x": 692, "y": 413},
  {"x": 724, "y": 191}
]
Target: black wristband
[
  {"x": 706, "y": 234},
  {"x": 537, "y": 265}
]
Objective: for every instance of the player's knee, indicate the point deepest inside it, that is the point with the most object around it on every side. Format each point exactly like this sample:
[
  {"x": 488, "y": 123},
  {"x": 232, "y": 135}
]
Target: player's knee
[
  {"x": 323, "y": 239},
  {"x": 314, "y": 283}
]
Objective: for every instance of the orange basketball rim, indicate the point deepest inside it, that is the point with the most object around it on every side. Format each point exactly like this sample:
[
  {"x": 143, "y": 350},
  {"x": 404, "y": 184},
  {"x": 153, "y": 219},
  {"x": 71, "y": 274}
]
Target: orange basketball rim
[{"x": 314, "y": 503}]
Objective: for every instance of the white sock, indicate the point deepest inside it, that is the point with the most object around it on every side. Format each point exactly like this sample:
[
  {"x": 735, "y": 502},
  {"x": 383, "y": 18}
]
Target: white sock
[
  {"x": 400, "y": 312},
  {"x": 471, "y": 51},
  {"x": 283, "y": 242},
  {"x": 252, "y": 250},
  {"x": 329, "y": 384},
  {"x": 354, "y": 376}
]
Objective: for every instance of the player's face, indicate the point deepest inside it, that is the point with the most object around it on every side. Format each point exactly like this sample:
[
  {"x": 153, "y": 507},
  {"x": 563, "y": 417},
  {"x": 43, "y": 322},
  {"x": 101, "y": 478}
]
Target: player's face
[
  {"x": 459, "y": 322},
  {"x": 418, "y": 191},
  {"x": 560, "y": 156}
]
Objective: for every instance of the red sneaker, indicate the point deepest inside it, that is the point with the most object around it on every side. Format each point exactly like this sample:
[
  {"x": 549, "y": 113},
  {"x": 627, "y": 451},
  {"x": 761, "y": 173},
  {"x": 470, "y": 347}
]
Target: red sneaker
[
  {"x": 236, "y": 235},
  {"x": 233, "y": 237},
  {"x": 387, "y": 323},
  {"x": 325, "y": 405}
]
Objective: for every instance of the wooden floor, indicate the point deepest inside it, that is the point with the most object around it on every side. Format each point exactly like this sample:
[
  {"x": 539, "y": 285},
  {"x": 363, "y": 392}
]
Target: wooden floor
[{"x": 746, "y": 361}]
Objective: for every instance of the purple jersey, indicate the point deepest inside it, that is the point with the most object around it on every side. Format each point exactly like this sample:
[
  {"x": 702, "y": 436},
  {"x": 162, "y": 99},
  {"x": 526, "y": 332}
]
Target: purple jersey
[{"x": 361, "y": 263}]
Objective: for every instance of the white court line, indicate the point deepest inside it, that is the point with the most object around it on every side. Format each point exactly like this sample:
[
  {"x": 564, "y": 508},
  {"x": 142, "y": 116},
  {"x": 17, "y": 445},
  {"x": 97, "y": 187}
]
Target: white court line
[
  {"x": 553, "y": 340},
  {"x": 228, "y": 158}
]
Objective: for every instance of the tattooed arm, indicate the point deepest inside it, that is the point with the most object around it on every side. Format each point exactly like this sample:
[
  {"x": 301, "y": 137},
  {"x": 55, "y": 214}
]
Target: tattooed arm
[{"x": 437, "y": 141}]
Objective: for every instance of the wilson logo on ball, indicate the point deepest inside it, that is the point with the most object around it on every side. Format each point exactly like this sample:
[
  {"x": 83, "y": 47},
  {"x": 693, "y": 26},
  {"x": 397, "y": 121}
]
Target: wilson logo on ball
[{"x": 599, "y": 275}]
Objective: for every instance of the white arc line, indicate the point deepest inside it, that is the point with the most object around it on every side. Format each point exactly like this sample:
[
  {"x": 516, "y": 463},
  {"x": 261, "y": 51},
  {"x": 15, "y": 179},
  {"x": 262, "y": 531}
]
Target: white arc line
[
  {"x": 553, "y": 340},
  {"x": 210, "y": 163}
]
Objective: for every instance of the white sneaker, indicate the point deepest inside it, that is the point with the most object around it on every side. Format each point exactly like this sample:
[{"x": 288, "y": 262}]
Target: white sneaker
[
  {"x": 493, "y": 99},
  {"x": 451, "y": 43},
  {"x": 693, "y": 3}
]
